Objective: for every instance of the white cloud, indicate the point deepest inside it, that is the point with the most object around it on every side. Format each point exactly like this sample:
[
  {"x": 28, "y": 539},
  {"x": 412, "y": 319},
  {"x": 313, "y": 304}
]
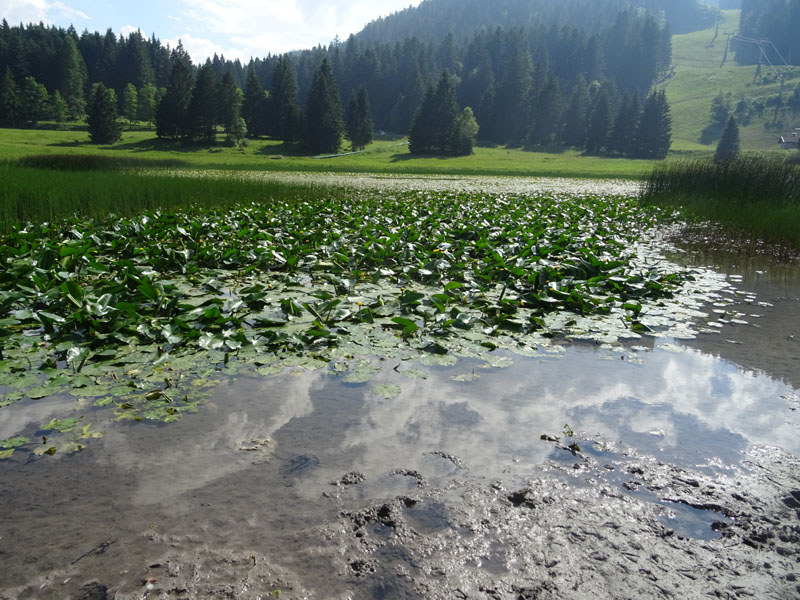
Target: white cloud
[
  {"x": 34, "y": 11},
  {"x": 260, "y": 27}
]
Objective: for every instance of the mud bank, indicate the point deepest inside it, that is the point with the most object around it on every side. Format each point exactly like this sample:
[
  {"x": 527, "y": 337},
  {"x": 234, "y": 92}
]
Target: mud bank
[{"x": 579, "y": 527}]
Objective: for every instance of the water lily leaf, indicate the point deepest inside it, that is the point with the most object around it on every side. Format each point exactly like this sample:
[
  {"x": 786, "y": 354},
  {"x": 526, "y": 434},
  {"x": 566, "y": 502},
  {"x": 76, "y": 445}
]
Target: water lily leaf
[
  {"x": 466, "y": 377},
  {"x": 61, "y": 425},
  {"x": 42, "y": 450},
  {"x": 386, "y": 391},
  {"x": 16, "y": 442},
  {"x": 6, "y": 453},
  {"x": 43, "y": 391}
]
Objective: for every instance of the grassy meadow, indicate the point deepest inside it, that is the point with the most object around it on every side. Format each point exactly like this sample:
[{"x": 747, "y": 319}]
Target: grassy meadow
[
  {"x": 382, "y": 156},
  {"x": 700, "y": 75}
]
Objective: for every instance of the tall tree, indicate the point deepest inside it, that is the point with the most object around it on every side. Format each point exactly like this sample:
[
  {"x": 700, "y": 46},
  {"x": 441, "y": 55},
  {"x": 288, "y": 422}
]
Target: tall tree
[
  {"x": 10, "y": 100},
  {"x": 285, "y": 112},
  {"x": 324, "y": 125},
  {"x": 72, "y": 77},
  {"x": 59, "y": 110},
  {"x": 254, "y": 105},
  {"x": 229, "y": 103},
  {"x": 202, "y": 112},
  {"x": 360, "y": 123},
  {"x": 575, "y": 117},
  {"x": 35, "y": 101},
  {"x": 147, "y": 102},
  {"x": 729, "y": 146},
  {"x": 599, "y": 123},
  {"x": 621, "y": 140},
  {"x": 440, "y": 127},
  {"x": 102, "y": 116},
  {"x": 173, "y": 107},
  {"x": 654, "y": 133},
  {"x": 130, "y": 103}
]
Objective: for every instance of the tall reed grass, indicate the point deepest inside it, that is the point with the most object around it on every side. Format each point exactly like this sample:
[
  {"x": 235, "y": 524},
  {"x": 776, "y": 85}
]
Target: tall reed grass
[
  {"x": 29, "y": 194},
  {"x": 759, "y": 197}
]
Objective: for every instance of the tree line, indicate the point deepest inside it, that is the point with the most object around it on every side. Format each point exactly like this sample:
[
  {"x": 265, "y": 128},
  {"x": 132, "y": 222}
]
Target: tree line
[{"x": 535, "y": 87}]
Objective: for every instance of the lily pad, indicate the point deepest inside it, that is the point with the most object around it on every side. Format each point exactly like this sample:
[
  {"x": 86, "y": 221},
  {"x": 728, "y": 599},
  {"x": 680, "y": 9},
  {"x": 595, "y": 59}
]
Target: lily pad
[{"x": 387, "y": 391}]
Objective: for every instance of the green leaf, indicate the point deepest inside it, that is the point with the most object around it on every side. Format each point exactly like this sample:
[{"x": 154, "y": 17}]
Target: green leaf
[
  {"x": 16, "y": 442},
  {"x": 61, "y": 425}
]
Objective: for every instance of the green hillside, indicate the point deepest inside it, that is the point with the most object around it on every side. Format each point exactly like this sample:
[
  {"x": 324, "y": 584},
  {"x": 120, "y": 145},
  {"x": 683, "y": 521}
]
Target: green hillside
[{"x": 699, "y": 77}]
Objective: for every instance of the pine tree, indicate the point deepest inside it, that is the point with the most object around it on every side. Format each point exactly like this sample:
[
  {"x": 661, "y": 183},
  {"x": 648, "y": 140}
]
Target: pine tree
[
  {"x": 324, "y": 125},
  {"x": 10, "y": 101},
  {"x": 360, "y": 124},
  {"x": 130, "y": 103},
  {"x": 202, "y": 112},
  {"x": 254, "y": 105},
  {"x": 102, "y": 118},
  {"x": 654, "y": 132},
  {"x": 599, "y": 123},
  {"x": 728, "y": 147},
  {"x": 172, "y": 109},
  {"x": 286, "y": 115}
]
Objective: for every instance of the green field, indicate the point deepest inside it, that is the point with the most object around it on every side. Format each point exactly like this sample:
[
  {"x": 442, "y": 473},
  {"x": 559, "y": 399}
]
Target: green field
[
  {"x": 699, "y": 77},
  {"x": 382, "y": 156}
]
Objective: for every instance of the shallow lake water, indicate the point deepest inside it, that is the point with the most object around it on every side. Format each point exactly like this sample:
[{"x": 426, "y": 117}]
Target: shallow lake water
[{"x": 256, "y": 468}]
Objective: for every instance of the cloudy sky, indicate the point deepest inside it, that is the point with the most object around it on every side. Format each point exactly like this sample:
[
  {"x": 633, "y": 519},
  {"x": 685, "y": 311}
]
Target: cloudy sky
[{"x": 235, "y": 28}]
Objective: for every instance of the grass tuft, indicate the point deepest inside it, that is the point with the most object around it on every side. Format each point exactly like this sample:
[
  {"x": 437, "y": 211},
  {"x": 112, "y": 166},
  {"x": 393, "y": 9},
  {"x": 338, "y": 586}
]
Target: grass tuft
[
  {"x": 94, "y": 162},
  {"x": 754, "y": 195}
]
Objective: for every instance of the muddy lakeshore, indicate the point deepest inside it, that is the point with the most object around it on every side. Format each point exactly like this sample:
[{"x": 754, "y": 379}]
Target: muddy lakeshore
[{"x": 680, "y": 479}]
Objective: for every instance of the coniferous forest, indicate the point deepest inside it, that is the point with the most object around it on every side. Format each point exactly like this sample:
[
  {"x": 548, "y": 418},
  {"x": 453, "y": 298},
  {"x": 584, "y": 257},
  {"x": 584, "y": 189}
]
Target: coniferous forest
[{"x": 534, "y": 75}]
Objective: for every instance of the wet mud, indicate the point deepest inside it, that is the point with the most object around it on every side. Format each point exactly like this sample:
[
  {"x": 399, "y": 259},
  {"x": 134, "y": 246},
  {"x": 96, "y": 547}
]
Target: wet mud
[{"x": 682, "y": 481}]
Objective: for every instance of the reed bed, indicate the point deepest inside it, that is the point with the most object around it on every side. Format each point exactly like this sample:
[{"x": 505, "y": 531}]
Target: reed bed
[
  {"x": 29, "y": 194},
  {"x": 757, "y": 197}
]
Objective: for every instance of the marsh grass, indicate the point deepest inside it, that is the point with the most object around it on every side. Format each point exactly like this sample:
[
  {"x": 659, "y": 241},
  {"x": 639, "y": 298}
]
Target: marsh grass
[
  {"x": 94, "y": 162},
  {"x": 756, "y": 196},
  {"x": 29, "y": 194}
]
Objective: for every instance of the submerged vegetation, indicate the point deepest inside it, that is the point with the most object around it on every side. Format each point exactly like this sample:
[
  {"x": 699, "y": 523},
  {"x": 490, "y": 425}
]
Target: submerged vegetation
[
  {"x": 135, "y": 314},
  {"x": 755, "y": 195}
]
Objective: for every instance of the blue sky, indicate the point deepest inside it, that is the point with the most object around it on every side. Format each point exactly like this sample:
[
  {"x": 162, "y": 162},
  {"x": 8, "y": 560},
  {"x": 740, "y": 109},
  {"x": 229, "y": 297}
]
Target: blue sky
[{"x": 235, "y": 28}]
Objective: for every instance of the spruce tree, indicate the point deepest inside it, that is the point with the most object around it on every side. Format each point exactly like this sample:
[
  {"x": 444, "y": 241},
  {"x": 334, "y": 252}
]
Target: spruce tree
[
  {"x": 654, "y": 132},
  {"x": 172, "y": 109},
  {"x": 574, "y": 127},
  {"x": 324, "y": 125},
  {"x": 72, "y": 77},
  {"x": 728, "y": 147},
  {"x": 286, "y": 115},
  {"x": 202, "y": 112},
  {"x": 360, "y": 125},
  {"x": 599, "y": 123},
  {"x": 102, "y": 118},
  {"x": 254, "y": 105},
  {"x": 228, "y": 103},
  {"x": 10, "y": 101},
  {"x": 439, "y": 126}
]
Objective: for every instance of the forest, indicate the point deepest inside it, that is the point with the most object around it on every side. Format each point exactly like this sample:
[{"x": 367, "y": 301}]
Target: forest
[{"x": 578, "y": 76}]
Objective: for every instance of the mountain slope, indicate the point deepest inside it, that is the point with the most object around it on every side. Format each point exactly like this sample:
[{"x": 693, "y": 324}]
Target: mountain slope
[{"x": 699, "y": 77}]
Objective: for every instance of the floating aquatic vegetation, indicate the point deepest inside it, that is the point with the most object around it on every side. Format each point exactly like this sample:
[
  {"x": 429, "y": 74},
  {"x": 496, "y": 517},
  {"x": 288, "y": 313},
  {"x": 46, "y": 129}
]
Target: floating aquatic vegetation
[{"x": 141, "y": 316}]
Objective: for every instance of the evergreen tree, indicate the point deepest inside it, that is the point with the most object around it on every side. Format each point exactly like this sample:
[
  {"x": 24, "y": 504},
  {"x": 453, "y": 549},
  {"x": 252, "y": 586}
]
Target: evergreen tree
[
  {"x": 574, "y": 126},
  {"x": 254, "y": 105},
  {"x": 285, "y": 112},
  {"x": 546, "y": 114},
  {"x": 599, "y": 122},
  {"x": 102, "y": 118},
  {"x": 324, "y": 125},
  {"x": 10, "y": 101},
  {"x": 229, "y": 103},
  {"x": 59, "y": 110},
  {"x": 654, "y": 132},
  {"x": 146, "y": 103},
  {"x": 202, "y": 112},
  {"x": 621, "y": 140},
  {"x": 360, "y": 125},
  {"x": 719, "y": 113},
  {"x": 439, "y": 126},
  {"x": 172, "y": 109},
  {"x": 130, "y": 103},
  {"x": 728, "y": 147},
  {"x": 512, "y": 95},
  {"x": 72, "y": 77}
]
